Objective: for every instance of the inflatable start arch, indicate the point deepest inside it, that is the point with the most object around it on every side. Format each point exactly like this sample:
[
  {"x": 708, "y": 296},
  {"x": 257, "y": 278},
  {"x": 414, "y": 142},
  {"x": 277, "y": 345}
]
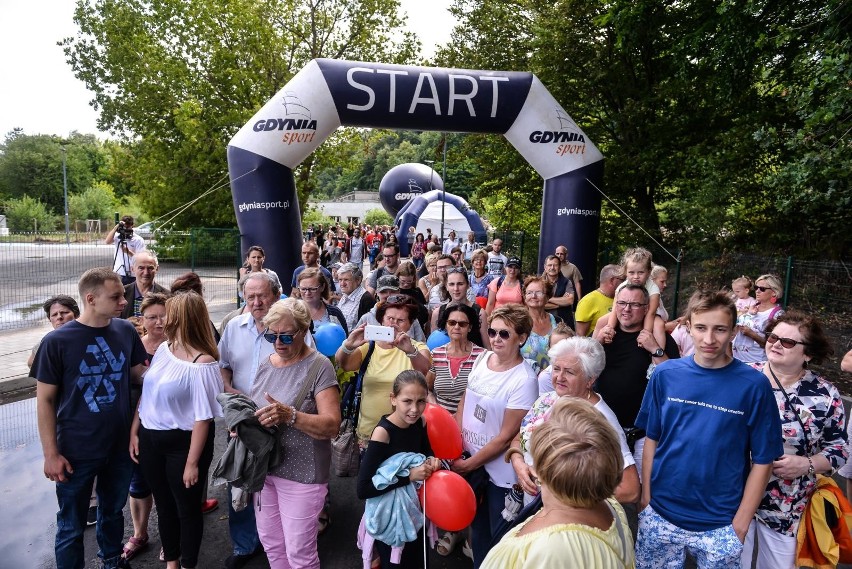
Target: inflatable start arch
[{"x": 327, "y": 94}]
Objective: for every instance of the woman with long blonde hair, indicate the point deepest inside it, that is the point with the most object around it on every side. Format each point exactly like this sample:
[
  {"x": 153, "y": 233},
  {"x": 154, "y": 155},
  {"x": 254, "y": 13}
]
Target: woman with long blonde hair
[{"x": 172, "y": 432}]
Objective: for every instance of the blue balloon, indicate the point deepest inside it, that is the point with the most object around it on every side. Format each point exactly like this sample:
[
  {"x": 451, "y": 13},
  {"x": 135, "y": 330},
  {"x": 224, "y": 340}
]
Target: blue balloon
[
  {"x": 437, "y": 338},
  {"x": 328, "y": 338}
]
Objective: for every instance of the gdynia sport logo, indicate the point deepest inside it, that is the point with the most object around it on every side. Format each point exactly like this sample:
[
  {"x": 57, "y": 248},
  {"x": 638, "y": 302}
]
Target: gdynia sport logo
[
  {"x": 568, "y": 135},
  {"x": 297, "y": 124},
  {"x": 413, "y": 191}
]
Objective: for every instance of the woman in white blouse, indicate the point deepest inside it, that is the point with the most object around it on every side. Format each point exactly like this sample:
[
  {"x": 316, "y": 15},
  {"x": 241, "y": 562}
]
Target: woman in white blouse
[{"x": 172, "y": 433}]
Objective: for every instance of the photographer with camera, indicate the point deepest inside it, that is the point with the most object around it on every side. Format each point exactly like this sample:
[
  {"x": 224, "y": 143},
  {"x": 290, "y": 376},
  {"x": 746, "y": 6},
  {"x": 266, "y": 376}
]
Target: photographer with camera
[{"x": 126, "y": 245}]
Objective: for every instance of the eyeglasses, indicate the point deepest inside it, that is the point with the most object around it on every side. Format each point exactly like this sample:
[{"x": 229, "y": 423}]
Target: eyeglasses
[
  {"x": 459, "y": 323},
  {"x": 310, "y": 289},
  {"x": 764, "y": 289},
  {"x": 285, "y": 339},
  {"x": 504, "y": 334},
  {"x": 629, "y": 305},
  {"x": 788, "y": 343},
  {"x": 390, "y": 256},
  {"x": 446, "y": 268},
  {"x": 535, "y": 293}
]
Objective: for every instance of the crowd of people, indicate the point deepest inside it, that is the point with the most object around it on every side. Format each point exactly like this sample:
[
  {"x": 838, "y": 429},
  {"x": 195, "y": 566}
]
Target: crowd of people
[{"x": 597, "y": 430}]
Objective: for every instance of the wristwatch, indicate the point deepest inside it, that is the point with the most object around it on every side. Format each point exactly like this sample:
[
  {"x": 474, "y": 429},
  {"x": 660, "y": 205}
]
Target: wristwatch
[{"x": 658, "y": 353}]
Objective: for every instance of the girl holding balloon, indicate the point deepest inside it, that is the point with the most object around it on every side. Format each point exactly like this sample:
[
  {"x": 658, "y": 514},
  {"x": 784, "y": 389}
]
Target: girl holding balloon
[{"x": 397, "y": 434}]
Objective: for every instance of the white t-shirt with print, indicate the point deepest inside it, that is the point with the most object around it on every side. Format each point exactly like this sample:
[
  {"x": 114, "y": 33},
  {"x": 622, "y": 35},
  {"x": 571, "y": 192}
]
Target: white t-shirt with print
[{"x": 489, "y": 394}]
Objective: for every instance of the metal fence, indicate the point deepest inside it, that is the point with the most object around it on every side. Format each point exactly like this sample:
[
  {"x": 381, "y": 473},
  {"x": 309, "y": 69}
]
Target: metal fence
[{"x": 38, "y": 266}]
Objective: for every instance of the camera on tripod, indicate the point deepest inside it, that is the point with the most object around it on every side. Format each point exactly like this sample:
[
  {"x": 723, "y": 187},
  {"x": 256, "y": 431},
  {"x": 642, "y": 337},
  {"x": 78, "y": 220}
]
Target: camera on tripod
[{"x": 124, "y": 233}]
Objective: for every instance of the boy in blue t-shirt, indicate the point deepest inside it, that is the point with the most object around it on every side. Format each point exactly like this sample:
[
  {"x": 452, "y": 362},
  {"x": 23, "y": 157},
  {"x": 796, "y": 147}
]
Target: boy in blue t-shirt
[
  {"x": 84, "y": 369},
  {"x": 713, "y": 430}
]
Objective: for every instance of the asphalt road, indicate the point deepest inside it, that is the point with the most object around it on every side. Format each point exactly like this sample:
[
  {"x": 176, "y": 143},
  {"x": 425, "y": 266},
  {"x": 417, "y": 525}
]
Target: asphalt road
[{"x": 337, "y": 547}]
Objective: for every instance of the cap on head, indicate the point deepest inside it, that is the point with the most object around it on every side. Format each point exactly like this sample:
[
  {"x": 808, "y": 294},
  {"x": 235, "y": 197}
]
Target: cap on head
[
  {"x": 387, "y": 282},
  {"x": 514, "y": 262}
]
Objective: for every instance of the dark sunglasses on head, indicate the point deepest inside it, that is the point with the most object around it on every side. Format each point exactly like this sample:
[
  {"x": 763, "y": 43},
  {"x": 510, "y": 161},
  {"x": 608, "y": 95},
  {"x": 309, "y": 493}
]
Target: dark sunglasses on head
[
  {"x": 459, "y": 323},
  {"x": 452, "y": 270},
  {"x": 399, "y": 299},
  {"x": 788, "y": 343},
  {"x": 285, "y": 339},
  {"x": 504, "y": 334}
]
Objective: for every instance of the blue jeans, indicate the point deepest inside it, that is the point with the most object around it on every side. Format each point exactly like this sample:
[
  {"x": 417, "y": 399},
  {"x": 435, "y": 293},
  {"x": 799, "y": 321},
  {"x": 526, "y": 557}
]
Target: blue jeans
[
  {"x": 486, "y": 521},
  {"x": 113, "y": 474},
  {"x": 243, "y": 527}
]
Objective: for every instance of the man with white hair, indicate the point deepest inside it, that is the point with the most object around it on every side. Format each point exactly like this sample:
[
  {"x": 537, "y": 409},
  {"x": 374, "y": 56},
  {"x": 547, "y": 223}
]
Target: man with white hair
[{"x": 144, "y": 268}]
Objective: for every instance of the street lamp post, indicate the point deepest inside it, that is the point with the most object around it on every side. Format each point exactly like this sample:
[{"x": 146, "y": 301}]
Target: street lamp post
[
  {"x": 444, "y": 188},
  {"x": 65, "y": 194}
]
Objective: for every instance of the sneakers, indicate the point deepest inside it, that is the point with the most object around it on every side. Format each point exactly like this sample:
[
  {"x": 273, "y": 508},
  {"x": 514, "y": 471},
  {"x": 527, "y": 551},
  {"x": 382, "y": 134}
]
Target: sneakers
[{"x": 92, "y": 516}]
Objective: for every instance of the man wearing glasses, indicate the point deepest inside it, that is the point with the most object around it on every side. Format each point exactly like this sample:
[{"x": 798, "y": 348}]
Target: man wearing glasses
[
  {"x": 241, "y": 350},
  {"x": 390, "y": 253},
  {"x": 144, "y": 268},
  {"x": 629, "y": 353}
]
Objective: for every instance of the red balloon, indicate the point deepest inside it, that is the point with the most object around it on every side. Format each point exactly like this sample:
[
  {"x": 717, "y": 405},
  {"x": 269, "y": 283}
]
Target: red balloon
[
  {"x": 444, "y": 435},
  {"x": 449, "y": 500},
  {"x": 481, "y": 301}
]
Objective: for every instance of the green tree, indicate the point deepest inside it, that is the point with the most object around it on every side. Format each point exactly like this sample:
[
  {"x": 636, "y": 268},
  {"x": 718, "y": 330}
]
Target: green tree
[
  {"x": 29, "y": 214},
  {"x": 31, "y": 165},
  {"x": 183, "y": 77},
  {"x": 95, "y": 202},
  {"x": 377, "y": 217}
]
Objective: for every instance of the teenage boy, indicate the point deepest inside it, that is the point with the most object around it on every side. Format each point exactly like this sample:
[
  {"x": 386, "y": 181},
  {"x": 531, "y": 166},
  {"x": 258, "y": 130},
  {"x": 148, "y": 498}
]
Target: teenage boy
[
  {"x": 713, "y": 430},
  {"x": 84, "y": 369}
]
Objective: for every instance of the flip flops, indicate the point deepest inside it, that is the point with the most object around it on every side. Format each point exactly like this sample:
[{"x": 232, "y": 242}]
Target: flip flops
[{"x": 133, "y": 546}]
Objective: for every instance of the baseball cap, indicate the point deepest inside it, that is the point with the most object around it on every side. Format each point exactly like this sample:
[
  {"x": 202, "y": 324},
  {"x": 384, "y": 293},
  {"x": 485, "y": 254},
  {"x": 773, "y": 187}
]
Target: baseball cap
[
  {"x": 513, "y": 261},
  {"x": 387, "y": 282}
]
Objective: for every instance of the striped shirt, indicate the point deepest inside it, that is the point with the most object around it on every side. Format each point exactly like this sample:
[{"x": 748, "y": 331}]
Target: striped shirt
[{"x": 449, "y": 389}]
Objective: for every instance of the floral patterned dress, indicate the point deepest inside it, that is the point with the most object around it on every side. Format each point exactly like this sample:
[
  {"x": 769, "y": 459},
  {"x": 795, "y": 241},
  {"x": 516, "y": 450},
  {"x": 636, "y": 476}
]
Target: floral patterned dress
[{"x": 820, "y": 408}]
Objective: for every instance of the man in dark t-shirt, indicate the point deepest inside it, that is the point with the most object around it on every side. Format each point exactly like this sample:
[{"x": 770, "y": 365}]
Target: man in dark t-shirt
[
  {"x": 629, "y": 354},
  {"x": 84, "y": 370}
]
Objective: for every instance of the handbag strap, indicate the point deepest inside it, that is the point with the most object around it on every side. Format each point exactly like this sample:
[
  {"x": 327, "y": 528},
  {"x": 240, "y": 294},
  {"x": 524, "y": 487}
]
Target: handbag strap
[
  {"x": 790, "y": 403},
  {"x": 311, "y": 377},
  {"x": 359, "y": 382}
]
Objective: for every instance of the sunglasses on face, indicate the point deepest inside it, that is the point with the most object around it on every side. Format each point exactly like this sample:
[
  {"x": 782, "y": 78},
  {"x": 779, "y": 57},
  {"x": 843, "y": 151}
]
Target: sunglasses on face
[
  {"x": 285, "y": 339},
  {"x": 788, "y": 343},
  {"x": 504, "y": 334},
  {"x": 763, "y": 288},
  {"x": 459, "y": 323}
]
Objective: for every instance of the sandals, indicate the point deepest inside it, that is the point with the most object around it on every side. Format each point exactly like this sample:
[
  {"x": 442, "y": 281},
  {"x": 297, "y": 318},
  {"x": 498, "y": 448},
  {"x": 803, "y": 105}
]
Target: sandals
[
  {"x": 467, "y": 550},
  {"x": 448, "y": 543},
  {"x": 133, "y": 546}
]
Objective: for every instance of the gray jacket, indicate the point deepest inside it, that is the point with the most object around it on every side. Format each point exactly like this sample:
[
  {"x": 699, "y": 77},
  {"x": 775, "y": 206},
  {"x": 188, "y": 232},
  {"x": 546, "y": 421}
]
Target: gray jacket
[{"x": 252, "y": 453}]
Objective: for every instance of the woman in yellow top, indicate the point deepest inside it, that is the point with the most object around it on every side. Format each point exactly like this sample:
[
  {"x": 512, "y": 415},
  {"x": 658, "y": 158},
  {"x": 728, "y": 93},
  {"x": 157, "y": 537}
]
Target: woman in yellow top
[
  {"x": 578, "y": 463},
  {"x": 387, "y": 361}
]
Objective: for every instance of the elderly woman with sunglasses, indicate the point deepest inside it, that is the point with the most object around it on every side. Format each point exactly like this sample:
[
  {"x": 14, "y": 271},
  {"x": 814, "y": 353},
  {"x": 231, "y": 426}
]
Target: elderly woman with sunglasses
[
  {"x": 313, "y": 287},
  {"x": 389, "y": 358},
  {"x": 748, "y": 345},
  {"x": 294, "y": 491},
  {"x": 813, "y": 422},
  {"x": 501, "y": 389}
]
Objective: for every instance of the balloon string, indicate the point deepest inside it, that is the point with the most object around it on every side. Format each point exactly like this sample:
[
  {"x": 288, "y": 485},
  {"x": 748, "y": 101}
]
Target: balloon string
[{"x": 424, "y": 524}]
